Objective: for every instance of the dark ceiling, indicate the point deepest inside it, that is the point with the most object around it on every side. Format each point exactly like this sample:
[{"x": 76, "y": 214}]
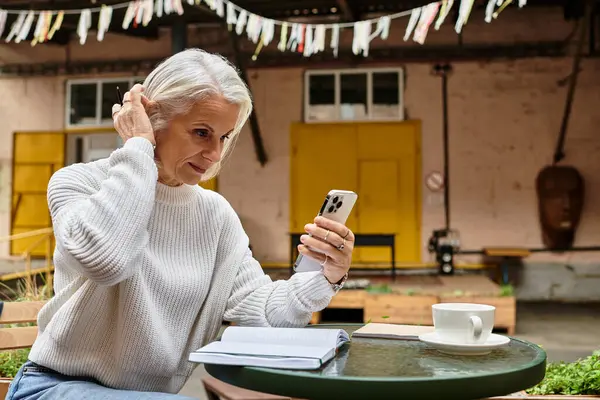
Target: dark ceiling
[{"x": 345, "y": 9}]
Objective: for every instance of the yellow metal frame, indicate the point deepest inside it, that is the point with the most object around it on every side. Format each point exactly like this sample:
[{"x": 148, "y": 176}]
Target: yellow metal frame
[{"x": 417, "y": 125}]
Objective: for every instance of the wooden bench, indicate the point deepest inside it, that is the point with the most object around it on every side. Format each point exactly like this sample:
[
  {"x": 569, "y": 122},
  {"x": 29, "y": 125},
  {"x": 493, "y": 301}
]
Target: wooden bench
[
  {"x": 507, "y": 256},
  {"x": 13, "y": 338}
]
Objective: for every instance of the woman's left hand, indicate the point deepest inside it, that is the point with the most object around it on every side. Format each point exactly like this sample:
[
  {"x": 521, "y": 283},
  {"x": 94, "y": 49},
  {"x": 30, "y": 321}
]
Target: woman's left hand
[{"x": 330, "y": 243}]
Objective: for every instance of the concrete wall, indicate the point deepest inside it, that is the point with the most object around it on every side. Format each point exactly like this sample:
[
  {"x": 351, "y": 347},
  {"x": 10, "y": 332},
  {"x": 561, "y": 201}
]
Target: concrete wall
[{"x": 504, "y": 121}]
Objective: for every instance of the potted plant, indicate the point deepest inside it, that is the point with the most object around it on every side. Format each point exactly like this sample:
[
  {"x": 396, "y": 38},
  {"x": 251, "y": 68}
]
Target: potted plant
[{"x": 578, "y": 378}]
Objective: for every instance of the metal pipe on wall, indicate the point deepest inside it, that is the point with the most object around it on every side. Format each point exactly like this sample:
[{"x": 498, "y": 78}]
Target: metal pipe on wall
[
  {"x": 442, "y": 70},
  {"x": 446, "y": 149},
  {"x": 580, "y": 249}
]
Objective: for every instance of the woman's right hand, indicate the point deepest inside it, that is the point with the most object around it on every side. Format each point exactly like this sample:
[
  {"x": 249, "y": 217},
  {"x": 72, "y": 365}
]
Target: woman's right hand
[{"x": 131, "y": 119}]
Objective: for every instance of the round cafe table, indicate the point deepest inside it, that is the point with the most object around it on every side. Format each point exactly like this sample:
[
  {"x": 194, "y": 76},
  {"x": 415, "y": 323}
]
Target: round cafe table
[{"x": 404, "y": 369}]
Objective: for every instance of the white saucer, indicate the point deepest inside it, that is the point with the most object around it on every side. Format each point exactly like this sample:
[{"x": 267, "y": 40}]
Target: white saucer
[{"x": 464, "y": 349}]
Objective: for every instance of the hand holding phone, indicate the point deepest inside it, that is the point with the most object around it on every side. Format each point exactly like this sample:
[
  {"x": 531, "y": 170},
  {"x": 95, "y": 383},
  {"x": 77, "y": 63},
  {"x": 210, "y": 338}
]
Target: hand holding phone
[{"x": 337, "y": 207}]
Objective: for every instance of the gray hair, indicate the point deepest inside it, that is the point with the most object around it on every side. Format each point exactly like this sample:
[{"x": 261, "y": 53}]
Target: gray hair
[{"x": 189, "y": 76}]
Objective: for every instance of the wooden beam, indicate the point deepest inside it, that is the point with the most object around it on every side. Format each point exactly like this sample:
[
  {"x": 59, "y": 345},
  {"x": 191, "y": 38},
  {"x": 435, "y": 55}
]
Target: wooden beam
[
  {"x": 259, "y": 147},
  {"x": 276, "y": 59}
]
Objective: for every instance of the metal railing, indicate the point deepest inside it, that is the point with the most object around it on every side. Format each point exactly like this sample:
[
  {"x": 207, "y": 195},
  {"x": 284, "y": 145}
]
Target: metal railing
[{"x": 46, "y": 236}]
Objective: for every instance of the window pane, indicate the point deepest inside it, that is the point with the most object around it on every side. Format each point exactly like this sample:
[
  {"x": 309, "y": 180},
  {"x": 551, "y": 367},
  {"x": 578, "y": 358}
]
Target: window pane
[
  {"x": 83, "y": 104},
  {"x": 353, "y": 96},
  {"x": 321, "y": 98},
  {"x": 109, "y": 97},
  {"x": 322, "y": 89},
  {"x": 99, "y": 145},
  {"x": 386, "y": 95}
]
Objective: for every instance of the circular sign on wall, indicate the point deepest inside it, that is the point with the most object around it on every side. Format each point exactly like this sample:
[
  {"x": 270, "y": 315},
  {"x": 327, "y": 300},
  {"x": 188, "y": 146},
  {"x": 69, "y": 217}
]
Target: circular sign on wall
[{"x": 434, "y": 181}]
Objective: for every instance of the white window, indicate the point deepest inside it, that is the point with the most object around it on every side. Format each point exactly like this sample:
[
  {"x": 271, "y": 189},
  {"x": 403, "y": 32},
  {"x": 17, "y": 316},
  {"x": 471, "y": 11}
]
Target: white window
[
  {"x": 89, "y": 101},
  {"x": 373, "y": 94}
]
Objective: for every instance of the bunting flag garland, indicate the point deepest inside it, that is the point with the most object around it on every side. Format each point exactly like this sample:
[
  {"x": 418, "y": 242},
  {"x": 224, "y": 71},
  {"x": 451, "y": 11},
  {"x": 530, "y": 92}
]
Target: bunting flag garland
[
  {"x": 463, "y": 14},
  {"x": 85, "y": 22},
  {"x": 444, "y": 11},
  {"x": 428, "y": 13},
  {"x": 103, "y": 22},
  {"x": 304, "y": 38}
]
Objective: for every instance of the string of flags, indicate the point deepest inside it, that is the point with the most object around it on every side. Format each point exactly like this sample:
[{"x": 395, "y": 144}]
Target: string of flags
[{"x": 304, "y": 38}]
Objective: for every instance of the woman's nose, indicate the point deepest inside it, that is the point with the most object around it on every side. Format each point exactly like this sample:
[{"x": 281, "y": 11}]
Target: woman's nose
[{"x": 213, "y": 151}]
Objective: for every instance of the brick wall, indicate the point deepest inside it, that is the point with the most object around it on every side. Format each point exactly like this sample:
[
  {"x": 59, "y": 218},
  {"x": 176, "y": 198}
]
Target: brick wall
[{"x": 504, "y": 120}]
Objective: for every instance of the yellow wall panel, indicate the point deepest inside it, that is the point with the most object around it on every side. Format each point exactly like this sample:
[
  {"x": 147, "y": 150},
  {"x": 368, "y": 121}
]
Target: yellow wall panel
[
  {"x": 211, "y": 184},
  {"x": 39, "y": 147},
  {"x": 32, "y": 212},
  {"x": 323, "y": 158},
  {"x": 37, "y": 155},
  {"x": 378, "y": 206},
  {"x": 31, "y": 177},
  {"x": 380, "y": 161}
]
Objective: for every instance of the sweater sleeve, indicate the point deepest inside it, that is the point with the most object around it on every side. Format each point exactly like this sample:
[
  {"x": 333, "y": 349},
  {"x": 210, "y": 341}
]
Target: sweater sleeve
[
  {"x": 101, "y": 227},
  {"x": 258, "y": 301}
]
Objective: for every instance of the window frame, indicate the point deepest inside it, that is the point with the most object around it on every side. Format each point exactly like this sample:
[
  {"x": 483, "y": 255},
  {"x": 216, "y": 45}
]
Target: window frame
[
  {"x": 337, "y": 93},
  {"x": 98, "y": 81}
]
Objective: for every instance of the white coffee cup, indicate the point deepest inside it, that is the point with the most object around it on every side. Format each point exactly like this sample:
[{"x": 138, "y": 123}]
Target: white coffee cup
[{"x": 466, "y": 323}]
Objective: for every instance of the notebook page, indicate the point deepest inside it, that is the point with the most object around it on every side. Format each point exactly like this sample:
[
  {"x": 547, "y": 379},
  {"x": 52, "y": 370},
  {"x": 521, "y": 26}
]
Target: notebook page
[
  {"x": 243, "y": 350},
  {"x": 283, "y": 336},
  {"x": 256, "y": 361}
]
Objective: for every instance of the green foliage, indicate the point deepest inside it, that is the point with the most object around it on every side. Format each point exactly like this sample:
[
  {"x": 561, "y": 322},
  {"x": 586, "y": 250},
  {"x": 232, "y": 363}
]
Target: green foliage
[
  {"x": 26, "y": 291},
  {"x": 507, "y": 290},
  {"x": 11, "y": 361},
  {"x": 581, "y": 377},
  {"x": 383, "y": 288}
]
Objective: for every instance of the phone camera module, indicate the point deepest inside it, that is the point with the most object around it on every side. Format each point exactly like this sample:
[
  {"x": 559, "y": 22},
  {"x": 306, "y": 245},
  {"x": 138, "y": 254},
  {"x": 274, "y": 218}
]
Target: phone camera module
[
  {"x": 338, "y": 205},
  {"x": 335, "y": 199},
  {"x": 332, "y": 209}
]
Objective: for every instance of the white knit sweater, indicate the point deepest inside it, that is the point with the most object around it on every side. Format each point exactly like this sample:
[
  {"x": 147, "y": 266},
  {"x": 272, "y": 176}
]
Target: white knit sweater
[{"x": 146, "y": 273}]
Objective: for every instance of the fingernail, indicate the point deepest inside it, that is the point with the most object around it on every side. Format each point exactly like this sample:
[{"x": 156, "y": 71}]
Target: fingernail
[{"x": 303, "y": 238}]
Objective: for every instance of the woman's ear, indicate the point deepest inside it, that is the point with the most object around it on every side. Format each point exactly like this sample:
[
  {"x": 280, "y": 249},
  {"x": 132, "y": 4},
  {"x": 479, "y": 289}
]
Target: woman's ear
[{"x": 150, "y": 106}]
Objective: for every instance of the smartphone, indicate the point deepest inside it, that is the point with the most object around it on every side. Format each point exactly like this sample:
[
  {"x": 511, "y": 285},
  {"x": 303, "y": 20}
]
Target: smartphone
[{"x": 337, "y": 207}]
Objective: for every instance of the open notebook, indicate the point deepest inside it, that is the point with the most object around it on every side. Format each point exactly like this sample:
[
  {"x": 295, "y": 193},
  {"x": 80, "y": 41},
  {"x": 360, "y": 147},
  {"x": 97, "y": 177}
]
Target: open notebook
[{"x": 286, "y": 348}]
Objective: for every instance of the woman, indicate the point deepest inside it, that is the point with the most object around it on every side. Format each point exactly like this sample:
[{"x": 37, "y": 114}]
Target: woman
[{"x": 148, "y": 264}]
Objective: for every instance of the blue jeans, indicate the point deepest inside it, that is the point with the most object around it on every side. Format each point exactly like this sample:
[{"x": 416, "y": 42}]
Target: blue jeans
[{"x": 35, "y": 382}]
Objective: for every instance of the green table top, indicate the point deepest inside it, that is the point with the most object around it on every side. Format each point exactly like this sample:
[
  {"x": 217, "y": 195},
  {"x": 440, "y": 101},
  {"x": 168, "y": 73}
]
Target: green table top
[{"x": 383, "y": 369}]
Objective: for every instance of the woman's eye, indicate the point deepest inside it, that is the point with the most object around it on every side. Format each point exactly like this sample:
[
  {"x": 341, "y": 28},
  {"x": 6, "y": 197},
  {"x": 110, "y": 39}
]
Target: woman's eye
[{"x": 201, "y": 132}]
